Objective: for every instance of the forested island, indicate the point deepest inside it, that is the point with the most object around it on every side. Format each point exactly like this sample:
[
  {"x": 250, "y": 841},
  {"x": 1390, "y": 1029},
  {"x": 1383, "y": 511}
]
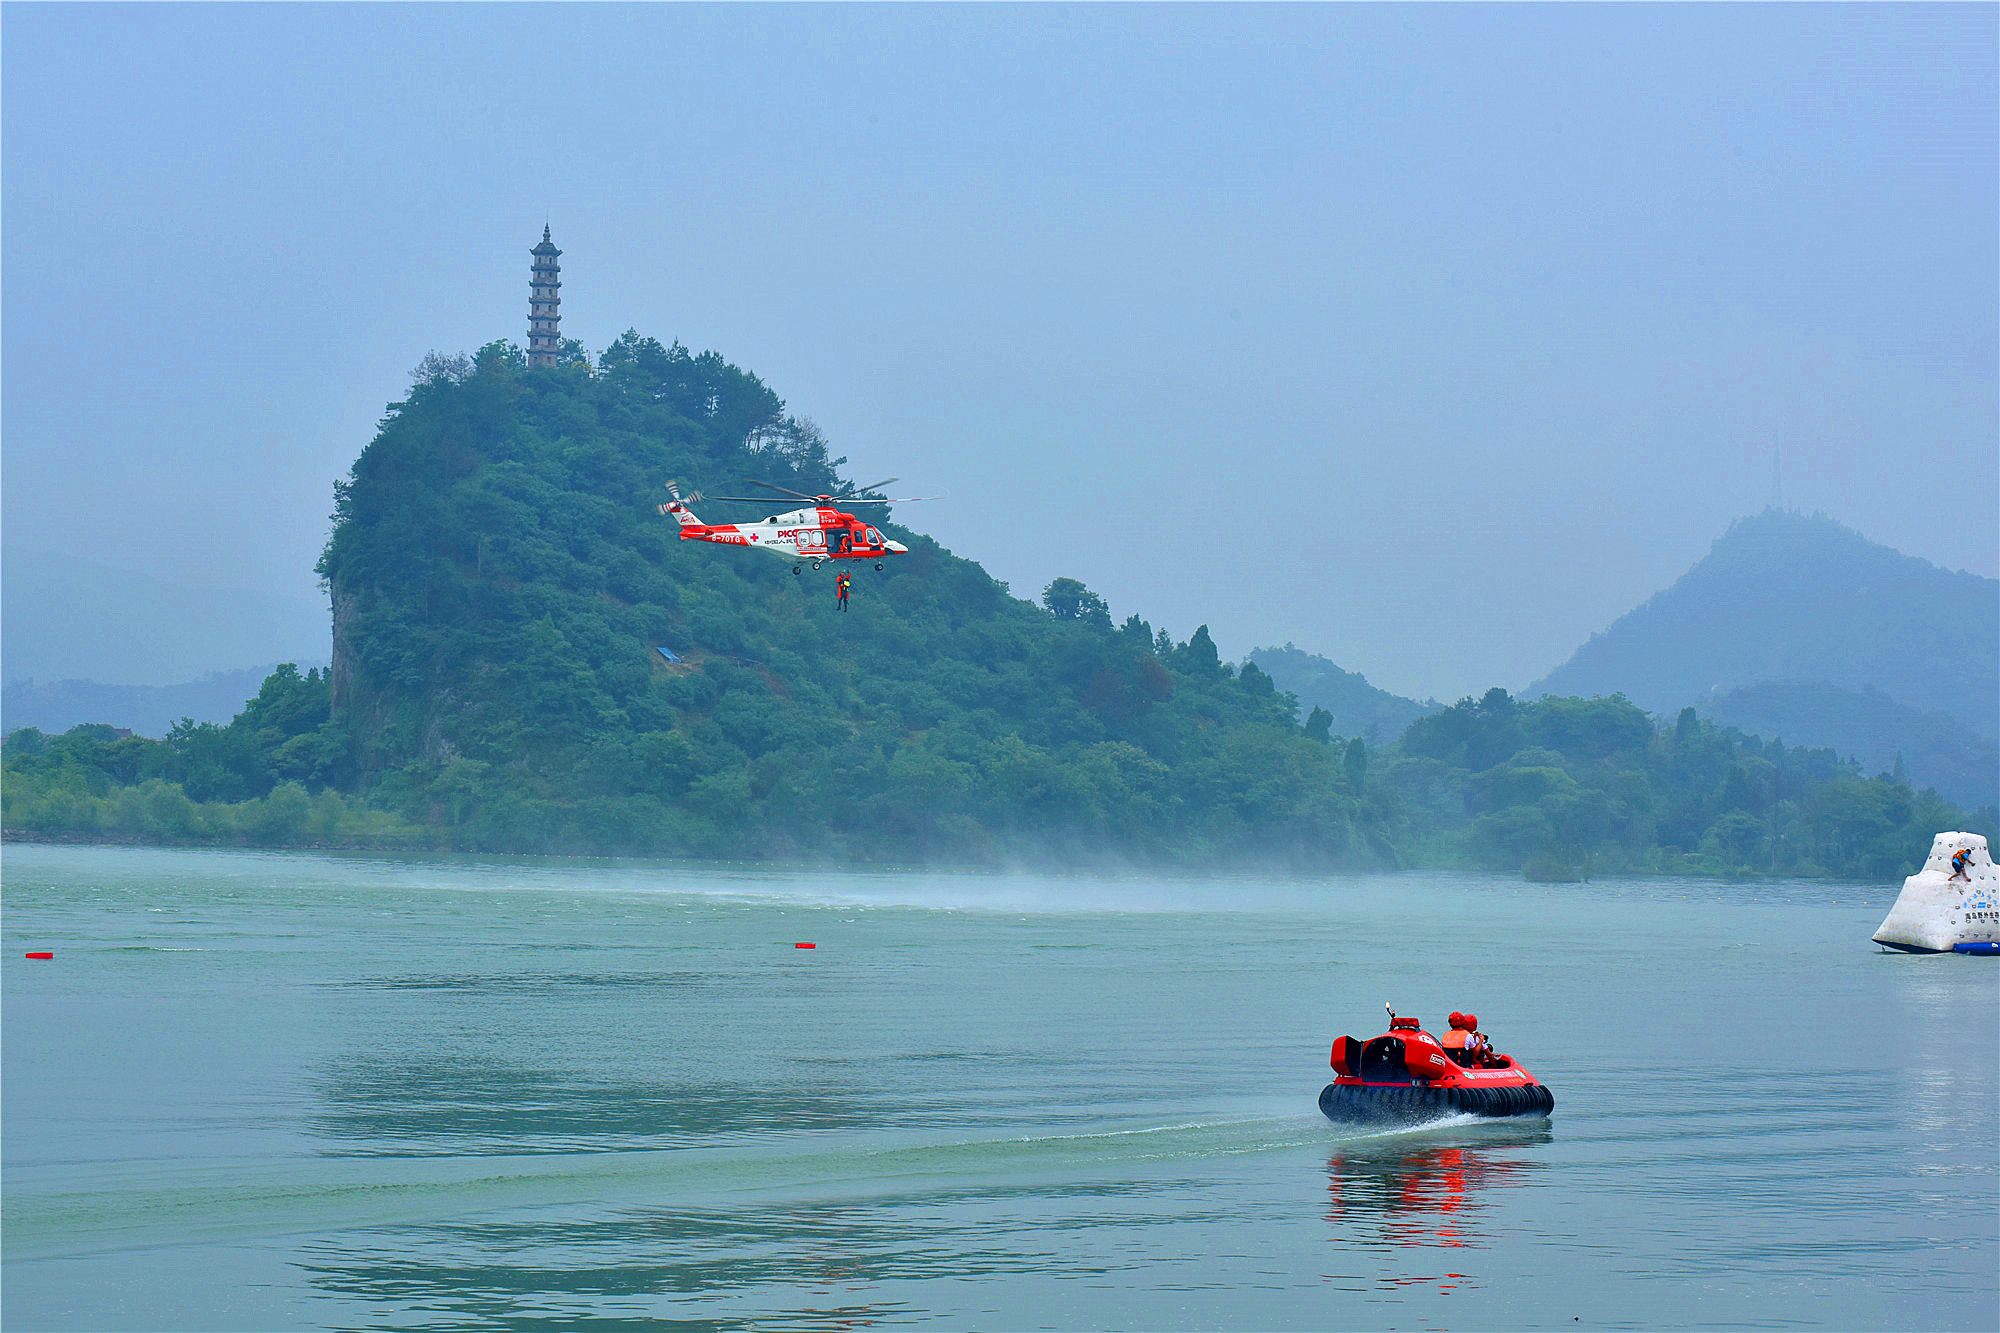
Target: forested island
[{"x": 501, "y": 585}]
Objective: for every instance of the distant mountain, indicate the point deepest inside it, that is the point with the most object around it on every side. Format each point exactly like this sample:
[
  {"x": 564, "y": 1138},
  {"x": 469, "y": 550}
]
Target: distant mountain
[
  {"x": 1784, "y": 597},
  {"x": 1868, "y": 725},
  {"x": 67, "y": 619},
  {"x": 148, "y": 710},
  {"x": 1358, "y": 708}
]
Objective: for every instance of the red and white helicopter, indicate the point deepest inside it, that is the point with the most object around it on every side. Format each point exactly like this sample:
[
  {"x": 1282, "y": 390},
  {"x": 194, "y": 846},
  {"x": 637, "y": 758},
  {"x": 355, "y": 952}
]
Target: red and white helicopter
[{"x": 816, "y": 532}]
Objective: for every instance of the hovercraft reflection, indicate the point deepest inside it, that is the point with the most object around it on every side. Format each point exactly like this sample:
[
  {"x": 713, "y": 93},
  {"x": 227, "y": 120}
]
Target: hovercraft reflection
[
  {"x": 1430, "y": 1190},
  {"x": 1406, "y": 1076}
]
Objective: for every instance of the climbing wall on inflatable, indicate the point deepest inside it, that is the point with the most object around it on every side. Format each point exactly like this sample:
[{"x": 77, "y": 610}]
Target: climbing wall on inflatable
[{"x": 1946, "y": 909}]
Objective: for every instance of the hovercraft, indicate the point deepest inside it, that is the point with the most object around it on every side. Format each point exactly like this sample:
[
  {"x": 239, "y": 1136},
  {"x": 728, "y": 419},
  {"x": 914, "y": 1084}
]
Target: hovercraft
[{"x": 1405, "y": 1076}]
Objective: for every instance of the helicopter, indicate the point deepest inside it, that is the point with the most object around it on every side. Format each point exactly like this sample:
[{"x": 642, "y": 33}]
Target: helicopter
[{"x": 813, "y": 534}]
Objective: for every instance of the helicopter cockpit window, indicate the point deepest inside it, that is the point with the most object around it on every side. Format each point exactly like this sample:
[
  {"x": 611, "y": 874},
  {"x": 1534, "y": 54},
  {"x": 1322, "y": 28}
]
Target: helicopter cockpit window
[{"x": 874, "y": 537}]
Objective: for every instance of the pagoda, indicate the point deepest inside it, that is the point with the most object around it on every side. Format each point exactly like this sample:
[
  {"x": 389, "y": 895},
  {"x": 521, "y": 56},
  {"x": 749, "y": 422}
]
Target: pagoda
[{"x": 544, "y": 300}]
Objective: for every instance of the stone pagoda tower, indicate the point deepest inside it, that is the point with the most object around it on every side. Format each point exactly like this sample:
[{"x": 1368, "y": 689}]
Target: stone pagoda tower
[{"x": 544, "y": 299}]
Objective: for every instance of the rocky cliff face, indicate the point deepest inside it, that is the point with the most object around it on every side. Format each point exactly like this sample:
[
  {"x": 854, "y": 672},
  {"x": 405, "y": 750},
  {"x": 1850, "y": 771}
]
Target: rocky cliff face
[{"x": 341, "y": 672}]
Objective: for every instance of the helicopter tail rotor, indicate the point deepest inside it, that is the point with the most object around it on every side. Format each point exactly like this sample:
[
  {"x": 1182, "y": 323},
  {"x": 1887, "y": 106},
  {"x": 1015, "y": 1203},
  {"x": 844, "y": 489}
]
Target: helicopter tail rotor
[{"x": 678, "y": 506}]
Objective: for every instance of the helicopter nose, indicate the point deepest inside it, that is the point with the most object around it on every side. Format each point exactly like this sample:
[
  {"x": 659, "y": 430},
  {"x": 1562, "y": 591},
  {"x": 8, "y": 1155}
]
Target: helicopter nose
[{"x": 897, "y": 547}]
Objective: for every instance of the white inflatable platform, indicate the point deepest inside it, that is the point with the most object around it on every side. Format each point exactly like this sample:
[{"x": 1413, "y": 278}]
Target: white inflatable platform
[{"x": 1937, "y": 913}]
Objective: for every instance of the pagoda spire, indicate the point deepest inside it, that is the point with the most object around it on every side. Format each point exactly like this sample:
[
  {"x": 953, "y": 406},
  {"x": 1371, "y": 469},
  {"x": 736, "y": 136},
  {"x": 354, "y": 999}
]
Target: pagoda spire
[{"x": 544, "y": 303}]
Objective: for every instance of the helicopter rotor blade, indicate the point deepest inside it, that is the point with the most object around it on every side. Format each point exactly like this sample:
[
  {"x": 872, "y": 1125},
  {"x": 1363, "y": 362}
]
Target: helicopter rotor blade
[
  {"x": 848, "y": 496},
  {"x": 782, "y": 490}
]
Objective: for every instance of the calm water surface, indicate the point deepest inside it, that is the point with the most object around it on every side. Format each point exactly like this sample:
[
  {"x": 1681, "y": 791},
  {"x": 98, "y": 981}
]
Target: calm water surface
[{"x": 257, "y": 1091}]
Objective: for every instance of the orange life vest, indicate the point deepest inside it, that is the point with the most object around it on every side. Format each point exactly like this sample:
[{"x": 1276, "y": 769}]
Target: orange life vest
[{"x": 1456, "y": 1040}]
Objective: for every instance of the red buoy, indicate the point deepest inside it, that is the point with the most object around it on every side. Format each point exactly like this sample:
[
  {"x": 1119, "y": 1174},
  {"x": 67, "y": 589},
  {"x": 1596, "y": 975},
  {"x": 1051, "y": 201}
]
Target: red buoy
[
  {"x": 805, "y": 946},
  {"x": 41, "y": 955}
]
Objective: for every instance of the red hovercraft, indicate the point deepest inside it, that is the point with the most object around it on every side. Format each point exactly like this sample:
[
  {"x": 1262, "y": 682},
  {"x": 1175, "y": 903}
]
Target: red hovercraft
[{"x": 1405, "y": 1076}]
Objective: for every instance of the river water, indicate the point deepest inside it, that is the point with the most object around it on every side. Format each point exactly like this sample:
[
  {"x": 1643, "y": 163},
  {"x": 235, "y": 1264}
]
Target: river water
[{"x": 261, "y": 1091}]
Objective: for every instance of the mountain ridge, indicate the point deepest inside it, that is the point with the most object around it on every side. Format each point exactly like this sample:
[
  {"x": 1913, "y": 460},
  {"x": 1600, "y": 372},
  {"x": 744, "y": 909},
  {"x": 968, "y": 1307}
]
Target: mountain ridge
[
  {"x": 1786, "y": 597},
  {"x": 1931, "y": 749},
  {"x": 72, "y": 619},
  {"x": 1353, "y": 706},
  {"x": 146, "y": 710}
]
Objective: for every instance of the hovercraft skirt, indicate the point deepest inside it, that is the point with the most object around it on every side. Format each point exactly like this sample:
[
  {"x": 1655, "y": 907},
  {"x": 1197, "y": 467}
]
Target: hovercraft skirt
[{"x": 1350, "y": 1103}]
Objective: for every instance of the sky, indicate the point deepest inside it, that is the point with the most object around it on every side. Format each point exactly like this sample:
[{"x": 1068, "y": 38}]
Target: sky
[{"x": 1429, "y": 338}]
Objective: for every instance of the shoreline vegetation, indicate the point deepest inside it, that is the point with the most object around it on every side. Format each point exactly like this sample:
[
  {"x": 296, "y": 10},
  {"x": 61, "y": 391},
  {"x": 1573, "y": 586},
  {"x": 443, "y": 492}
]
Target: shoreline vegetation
[
  {"x": 500, "y": 582},
  {"x": 1526, "y": 815}
]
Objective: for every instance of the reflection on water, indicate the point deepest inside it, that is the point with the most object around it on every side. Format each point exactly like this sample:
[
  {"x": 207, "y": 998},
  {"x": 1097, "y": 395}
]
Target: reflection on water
[
  {"x": 1941, "y": 1084},
  {"x": 800, "y": 1265},
  {"x": 463, "y": 1102},
  {"x": 1399, "y": 1193},
  {"x": 549, "y": 1060},
  {"x": 665, "y": 1269}
]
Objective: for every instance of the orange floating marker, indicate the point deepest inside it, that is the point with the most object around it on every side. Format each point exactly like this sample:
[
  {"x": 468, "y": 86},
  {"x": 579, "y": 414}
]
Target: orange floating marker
[
  {"x": 805, "y": 946},
  {"x": 41, "y": 955}
]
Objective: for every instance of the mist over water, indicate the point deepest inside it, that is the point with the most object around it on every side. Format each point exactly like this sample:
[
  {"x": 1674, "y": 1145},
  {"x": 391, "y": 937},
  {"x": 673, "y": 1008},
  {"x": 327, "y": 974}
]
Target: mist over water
[{"x": 288, "y": 1090}]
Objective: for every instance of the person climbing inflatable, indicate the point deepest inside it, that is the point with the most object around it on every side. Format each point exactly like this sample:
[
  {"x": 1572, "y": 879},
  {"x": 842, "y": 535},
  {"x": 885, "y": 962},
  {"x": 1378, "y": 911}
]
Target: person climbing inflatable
[{"x": 1951, "y": 905}]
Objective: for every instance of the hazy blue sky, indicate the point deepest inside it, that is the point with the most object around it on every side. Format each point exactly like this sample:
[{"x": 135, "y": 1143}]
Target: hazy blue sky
[{"x": 1431, "y": 338}]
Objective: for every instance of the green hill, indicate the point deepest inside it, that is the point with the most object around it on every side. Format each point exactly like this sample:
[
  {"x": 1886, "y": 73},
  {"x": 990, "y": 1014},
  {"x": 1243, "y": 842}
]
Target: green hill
[
  {"x": 1784, "y": 597},
  {"x": 1353, "y": 707},
  {"x": 501, "y": 579}
]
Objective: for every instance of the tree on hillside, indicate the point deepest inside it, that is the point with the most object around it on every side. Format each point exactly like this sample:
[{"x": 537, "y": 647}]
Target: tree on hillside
[
  {"x": 1198, "y": 655},
  {"x": 440, "y": 368},
  {"x": 1067, "y": 599}
]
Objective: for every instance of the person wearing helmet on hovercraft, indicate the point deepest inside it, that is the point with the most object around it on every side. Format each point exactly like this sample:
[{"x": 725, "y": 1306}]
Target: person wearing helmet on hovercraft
[
  {"x": 1457, "y": 1043},
  {"x": 1464, "y": 1042}
]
